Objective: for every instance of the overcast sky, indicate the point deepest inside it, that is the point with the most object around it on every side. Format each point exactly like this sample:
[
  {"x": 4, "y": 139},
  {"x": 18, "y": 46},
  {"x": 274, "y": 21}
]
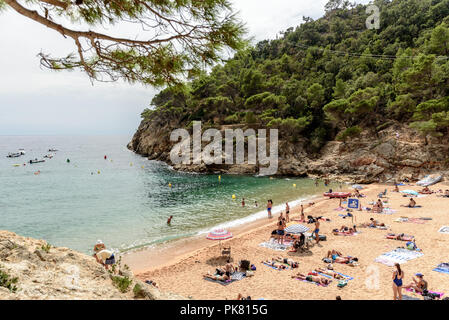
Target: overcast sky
[{"x": 39, "y": 101}]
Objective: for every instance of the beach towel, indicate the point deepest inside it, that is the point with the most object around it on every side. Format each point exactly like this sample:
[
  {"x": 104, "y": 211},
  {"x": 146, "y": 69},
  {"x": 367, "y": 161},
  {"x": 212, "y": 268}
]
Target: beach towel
[
  {"x": 399, "y": 255},
  {"x": 348, "y": 278},
  {"x": 441, "y": 294},
  {"x": 236, "y": 276},
  {"x": 411, "y": 220},
  {"x": 387, "y": 211},
  {"x": 276, "y": 246},
  {"x": 340, "y": 209},
  {"x": 442, "y": 268},
  {"x": 268, "y": 265},
  {"x": 444, "y": 229},
  {"x": 318, "y": 284}
]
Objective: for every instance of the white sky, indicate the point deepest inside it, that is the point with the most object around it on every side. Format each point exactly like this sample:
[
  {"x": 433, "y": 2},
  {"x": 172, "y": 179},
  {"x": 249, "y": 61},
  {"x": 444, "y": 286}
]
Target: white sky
[{"x": 39, "y": 101}]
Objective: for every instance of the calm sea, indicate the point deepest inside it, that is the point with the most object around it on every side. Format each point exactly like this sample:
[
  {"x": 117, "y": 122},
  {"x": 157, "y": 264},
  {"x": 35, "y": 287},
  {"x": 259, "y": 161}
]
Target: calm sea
[{"x": 124, "y": 200}]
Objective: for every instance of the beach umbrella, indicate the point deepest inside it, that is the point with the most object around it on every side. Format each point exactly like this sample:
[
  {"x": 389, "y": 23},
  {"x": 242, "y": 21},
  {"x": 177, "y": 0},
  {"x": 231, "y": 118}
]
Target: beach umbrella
[
  {"x": 296, "y": 229},
  {"x": 219, "y": 234},
  {"x": 357, "y": 186},
  {"x": 412, "y": 192}
]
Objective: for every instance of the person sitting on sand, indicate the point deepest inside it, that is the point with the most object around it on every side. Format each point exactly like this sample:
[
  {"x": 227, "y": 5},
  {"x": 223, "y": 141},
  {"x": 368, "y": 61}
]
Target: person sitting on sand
[
  {"x": 275, "y": 264},
  {"x": 105, "y": 257},
  {"x": 312, "y": 278},
  {"x": 223, "y": 277},
  {"x": 298, "y": 244},
  {"x": 330, "y": 273},
  {"x": 419, "y": 285},
  {"x": 288, "y": 261},
  {"x": 379, "y": 206},
  {"x": 99, "y": 246},
  {"x": 426, "y": 190},
  {"x": 411, "y": 204},
  {"x": 227, "y": 270},
  {"x": 396, "y": 188}
]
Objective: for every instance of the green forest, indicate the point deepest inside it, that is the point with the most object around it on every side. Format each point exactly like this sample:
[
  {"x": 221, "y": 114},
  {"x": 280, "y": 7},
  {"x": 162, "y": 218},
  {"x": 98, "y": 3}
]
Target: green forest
[{"x": 329, "y": 78}]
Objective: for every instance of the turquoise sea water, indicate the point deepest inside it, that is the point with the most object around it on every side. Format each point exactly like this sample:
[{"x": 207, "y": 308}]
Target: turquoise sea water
[{"x": 128, "y": 202}]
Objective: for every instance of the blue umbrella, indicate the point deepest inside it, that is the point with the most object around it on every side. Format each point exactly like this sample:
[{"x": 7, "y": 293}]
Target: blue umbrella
[
  {"x": 412, "y": 192},
  {"x": 357, "y": 186},
  {"x": 296, "y": 229}
]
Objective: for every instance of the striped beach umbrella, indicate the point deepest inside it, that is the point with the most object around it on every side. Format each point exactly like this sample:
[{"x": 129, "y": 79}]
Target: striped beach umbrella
[
  {"x": 296, "y": 229},
  {"x": 220, "y": 234}
]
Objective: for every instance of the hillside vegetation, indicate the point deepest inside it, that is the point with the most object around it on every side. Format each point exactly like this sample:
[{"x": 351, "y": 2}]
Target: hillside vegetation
[{"x": 330, "y": 78}]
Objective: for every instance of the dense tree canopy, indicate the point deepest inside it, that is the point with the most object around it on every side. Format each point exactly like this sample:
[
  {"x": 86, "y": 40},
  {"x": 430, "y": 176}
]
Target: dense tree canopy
[
  {"x": 331, "y": 76},
  {"x": 178, "y": 38}
]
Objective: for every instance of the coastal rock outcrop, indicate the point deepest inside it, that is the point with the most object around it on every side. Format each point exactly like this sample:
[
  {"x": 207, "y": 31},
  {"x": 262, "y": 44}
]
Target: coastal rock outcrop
[
  {"x": 396, "y": 152},
  {"x": 33, "y": 270}
]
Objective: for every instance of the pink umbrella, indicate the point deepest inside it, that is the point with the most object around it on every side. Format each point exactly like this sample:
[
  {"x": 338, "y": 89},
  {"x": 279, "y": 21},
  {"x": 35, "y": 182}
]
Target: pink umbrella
[{"x": 220, "y": 234}]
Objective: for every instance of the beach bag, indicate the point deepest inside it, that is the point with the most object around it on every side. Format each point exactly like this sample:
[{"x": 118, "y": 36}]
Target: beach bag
[
  {"x": 253, "y": 267},
  {"x": 245, "y": 264}
]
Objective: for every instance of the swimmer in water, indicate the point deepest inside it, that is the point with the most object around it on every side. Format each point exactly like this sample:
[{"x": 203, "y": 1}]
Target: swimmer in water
[{"x": 169, "y": 220}]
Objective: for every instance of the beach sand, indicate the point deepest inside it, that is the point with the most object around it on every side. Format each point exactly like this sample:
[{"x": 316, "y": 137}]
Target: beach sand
[{"x": 179, "y": 267}]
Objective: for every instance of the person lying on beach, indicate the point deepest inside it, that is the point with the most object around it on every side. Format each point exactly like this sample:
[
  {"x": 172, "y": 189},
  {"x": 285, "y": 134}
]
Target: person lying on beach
[
  {"x": 217, "y": 277},
  {"x": 402, "y": 236},
  {"x": 372, "y": 224},
  {"x": 411, "y": 204},
  {"x": 227, "y": 269},
  {"x": 288, "y": 261},
  {"x": 330, "y": 273},
  {"x": 419, "y": 285},
  {"x": 345, "y": 230},
  {"x": 338, "y": 257},
  {"x": 275, "y": 264},
  {"x": 312, "y": 278}
]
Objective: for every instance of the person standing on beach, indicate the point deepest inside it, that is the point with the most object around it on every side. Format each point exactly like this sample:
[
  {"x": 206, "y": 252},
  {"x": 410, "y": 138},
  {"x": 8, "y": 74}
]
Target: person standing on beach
[
  {"x": 303, "y": 218},
  {"x": 256, "y": 204},
  {"x": 287, "y": 212},
  {"x": 316, "y": 182},
  {"x": 243, "y": 202},
  {"x": 398, "y": 275},
  {"x": 317, "y": 230},
  {"x": 269, "y": 206},
  {"x": 281, "y": 227}
]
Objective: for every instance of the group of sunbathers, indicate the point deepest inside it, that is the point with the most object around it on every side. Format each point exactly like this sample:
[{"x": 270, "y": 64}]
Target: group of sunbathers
[{"x": 222, "y": 274}]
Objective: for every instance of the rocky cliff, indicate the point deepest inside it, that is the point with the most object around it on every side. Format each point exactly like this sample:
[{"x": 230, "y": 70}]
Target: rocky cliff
[
  {"x": 32, "y": 269},
  {"x": 397, "y": 152}
]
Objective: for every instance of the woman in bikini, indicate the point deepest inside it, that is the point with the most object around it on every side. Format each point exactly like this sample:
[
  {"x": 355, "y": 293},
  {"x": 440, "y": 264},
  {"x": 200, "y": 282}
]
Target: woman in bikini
[
  {"x": 398, "y": 275},
  {"x": 288, "y": 261},
  {"x": 287, "y": 213},
  {"x": 224, "y": 277},
  {"x": 275, "y": 264}
]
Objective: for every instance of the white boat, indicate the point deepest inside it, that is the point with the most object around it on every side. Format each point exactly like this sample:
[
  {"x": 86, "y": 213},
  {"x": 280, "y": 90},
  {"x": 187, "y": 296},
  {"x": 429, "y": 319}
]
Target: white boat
[{"x": 430, "y": 180}]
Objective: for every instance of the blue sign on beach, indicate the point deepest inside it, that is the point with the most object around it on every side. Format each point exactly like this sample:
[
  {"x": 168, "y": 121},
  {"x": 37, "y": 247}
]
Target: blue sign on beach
[{"x": 353, "y": 203}]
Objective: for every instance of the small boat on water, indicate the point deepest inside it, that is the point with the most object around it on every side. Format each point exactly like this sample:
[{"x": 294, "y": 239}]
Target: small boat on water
[
  {"x": 16, "y": 154},
  {"x": 52, "y": 150},
  {"x": 430, "y": 180},
  {"x": 48, "y": 156},
  {"x": 36, "y": 161}
]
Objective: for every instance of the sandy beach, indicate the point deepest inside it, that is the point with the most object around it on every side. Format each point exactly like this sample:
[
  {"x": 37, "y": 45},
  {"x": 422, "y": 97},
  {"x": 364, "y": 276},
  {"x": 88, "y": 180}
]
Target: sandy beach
[{"x": 179, "y": 267}]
